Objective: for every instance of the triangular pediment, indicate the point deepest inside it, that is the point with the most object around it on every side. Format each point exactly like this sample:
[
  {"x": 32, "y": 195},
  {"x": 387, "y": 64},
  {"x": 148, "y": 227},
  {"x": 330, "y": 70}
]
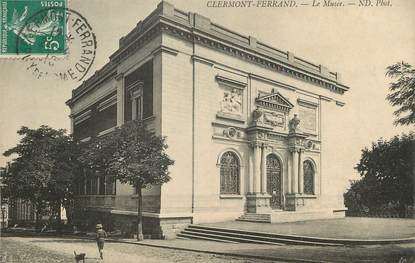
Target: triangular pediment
[{"x": 274, "y": 101}]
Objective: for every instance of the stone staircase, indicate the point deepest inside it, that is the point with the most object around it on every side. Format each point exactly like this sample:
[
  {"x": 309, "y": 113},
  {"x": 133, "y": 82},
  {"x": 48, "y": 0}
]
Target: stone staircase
[
  {"x": 252, "y": 217},
  {"x": 242, "y": 236}
]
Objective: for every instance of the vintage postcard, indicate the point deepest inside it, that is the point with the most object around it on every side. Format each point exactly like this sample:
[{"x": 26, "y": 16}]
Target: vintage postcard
[{"x": 207, "y": 130}]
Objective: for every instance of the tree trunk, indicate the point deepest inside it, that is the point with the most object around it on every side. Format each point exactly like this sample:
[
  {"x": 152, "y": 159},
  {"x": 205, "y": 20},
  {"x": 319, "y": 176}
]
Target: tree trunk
[
  {"x": 37, "y": 215},
  {"x": 59, "y": 218},
  {"x": 140, "y": 235}
]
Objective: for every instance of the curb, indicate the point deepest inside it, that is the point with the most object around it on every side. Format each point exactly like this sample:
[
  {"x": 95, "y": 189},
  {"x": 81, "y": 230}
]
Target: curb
[
  {"x": 319, "y": 240},
  {"x": 285, "y": 259},
  {"x": 220, "y": 253}
]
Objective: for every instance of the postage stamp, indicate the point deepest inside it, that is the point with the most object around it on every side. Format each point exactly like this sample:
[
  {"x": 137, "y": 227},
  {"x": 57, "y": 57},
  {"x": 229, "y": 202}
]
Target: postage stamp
[
  {"x": 81, "y": 45},
  {"x": 34, "y": 27}
]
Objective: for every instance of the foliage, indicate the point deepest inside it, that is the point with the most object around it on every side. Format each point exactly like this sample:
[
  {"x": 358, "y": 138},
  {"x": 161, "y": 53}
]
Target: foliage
[
  {"x": 402, "y": 92},
  {"x": 133, "y": 155},
  {"x": 44, "y": 168},
  {"x": 387, "y": 176}
]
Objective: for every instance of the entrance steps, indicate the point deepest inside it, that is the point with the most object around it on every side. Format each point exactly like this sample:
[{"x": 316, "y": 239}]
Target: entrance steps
[
  {"x": 280, "y": 216},
  {"x": 243, "y": 236},
  {"x": 252, "y": 217},
  {"x": 296, "y": 216}
]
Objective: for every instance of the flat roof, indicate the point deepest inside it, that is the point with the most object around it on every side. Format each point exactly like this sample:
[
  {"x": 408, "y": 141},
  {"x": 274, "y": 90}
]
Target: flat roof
[{"x": 195, "y": 27}]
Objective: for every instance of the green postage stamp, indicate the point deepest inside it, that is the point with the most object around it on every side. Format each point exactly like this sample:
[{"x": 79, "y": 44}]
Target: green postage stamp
[{"x": 32, "y": 27}]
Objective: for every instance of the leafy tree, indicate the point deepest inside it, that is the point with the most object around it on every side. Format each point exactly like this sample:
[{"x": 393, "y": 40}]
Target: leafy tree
[
  {"x": 402, "y": 92},
  {"x": 133, "y": 155},
  {"x": 44, "y": 168},
  {"x": 387, "y": 176}
]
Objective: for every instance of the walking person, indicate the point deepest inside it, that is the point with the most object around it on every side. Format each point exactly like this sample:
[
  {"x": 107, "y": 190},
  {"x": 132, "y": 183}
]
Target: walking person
[{"x": 100, "y": 237}]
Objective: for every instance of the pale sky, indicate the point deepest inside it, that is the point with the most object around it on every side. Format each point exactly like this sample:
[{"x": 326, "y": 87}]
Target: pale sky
[{"x": 355, "y": 41}]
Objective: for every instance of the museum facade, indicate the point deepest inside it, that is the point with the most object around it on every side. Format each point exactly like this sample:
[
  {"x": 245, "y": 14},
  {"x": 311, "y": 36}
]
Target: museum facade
[{"x": 252, "y": 129}]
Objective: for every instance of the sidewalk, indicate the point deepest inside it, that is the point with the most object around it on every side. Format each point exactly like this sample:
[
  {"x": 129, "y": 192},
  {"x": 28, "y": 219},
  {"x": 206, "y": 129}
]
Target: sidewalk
[
  {"x": 255, "y": 252},
  {"x": 361, "y": 228},
  {"x": 356, "y": 228},
  {"x": 287, "y": 253}
]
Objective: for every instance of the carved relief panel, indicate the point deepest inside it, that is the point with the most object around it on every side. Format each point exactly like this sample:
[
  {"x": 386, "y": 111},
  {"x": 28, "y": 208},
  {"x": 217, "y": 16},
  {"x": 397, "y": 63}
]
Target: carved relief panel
[
  {"x": 232, "y": 102},
  {"x": 231, "y": 98},
  {"x": 272, "y": 110}
]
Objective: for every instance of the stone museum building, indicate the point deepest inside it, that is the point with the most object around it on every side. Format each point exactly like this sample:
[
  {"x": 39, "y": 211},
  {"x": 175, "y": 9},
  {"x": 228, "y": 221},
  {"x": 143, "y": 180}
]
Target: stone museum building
[{"x": 252, "y": 129}]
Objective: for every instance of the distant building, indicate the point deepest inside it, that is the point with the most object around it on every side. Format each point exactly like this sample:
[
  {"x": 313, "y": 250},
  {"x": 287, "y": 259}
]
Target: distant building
[
  {"x": 4, "y": 207},
  {"x": 14, "y": 211},
  {"x": 21, "y": 212},
  {"x": 248, "y": 126}
]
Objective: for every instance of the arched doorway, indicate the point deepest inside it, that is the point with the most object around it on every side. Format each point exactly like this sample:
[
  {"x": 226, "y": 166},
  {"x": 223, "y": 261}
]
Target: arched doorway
[{"x": 274, "y": 186}]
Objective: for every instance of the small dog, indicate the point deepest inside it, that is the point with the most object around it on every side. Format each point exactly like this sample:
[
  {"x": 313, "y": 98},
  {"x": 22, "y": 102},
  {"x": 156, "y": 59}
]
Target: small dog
[{"x": 79, "y": 257}]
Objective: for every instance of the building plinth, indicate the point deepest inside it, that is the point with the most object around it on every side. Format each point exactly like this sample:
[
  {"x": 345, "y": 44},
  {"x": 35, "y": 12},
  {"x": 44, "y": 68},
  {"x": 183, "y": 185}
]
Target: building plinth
[
  {"x": 297, "y": 202},
  {"x": 258, "y": 203}
]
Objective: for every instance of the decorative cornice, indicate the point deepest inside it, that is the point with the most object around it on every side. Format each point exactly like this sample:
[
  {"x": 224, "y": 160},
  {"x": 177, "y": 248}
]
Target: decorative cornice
[
  {"x": 231, "y": 117},
  {"x": 86, "y": 139},
  {"x": 325, "y": 98},
  {"x": 227, "y": 139},
  {"x": 307, "y": 103},
  {"x": 231, "y": 82},
  {"x": 82, "y": 117},
  {"x": 195, "y": 28},
  {"x": 274, "y": 101},
  {"x": 166, "y": 50},
  {"x": 256, "y": 58},
  {"x": 154, "y": 215},
  {"x": 227, "y": 124},
  {"x": 107, "y": 131},
  {"x": 137, "y": 43},
  {"x": 119, "y": 76},
  {"x": 107, "y": 103},
  {"x": 339, "y": 103},
  {"x": 203, "y": 60},
  {"x": 273, "y": 82}
]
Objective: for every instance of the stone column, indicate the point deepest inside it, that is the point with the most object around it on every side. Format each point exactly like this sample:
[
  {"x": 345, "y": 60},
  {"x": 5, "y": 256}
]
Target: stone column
[
  {"x": 289, "y": 176},
  {"x": 294, "y": 182},
  {"x": 120, "y": 98},
  {"x": 300, "y": 173},
  {"x": 72, "y": 122},
  {"x": 251, "y": 173},
  {"x": 257, "y": 168},
  {"x": 263, "y": 170}
]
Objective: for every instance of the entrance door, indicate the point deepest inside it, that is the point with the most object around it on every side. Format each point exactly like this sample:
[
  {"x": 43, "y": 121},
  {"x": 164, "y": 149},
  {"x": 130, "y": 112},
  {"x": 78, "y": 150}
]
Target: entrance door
[{"x": 274, "y": 181}]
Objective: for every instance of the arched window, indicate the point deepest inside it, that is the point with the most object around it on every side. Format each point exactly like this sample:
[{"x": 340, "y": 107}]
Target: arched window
[
  {"x": 229, "y": 173},
  {"x": 308, "y": 172}
]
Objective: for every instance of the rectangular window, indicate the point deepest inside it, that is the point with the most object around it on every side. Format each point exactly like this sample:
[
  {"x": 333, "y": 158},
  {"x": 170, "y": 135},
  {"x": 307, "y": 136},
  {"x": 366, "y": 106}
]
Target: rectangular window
[
  {"x": 143, "y": 76},
  {"x": 110, "y": 186},
  {"x": 101, "y": 180},
  {"x": 138, "y": 108},
  {"x": 88, "y": 186},
  {"x": 94, "y": 185}
]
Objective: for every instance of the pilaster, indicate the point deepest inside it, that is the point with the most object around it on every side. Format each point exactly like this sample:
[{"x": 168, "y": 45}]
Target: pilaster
[
  {"x": 295, "y": 198},
  {"x": 251, "y": 174},
  {"x": 120, "y": 98},
  {"x": 289, "y": 172},
  {"x": 257, "y": 167},
  {"x": 263, "y": 170},
  {"x": 258, "y": 201},
  {"x": 294, "y": 170},
  {"x": 300, "y": 172}
]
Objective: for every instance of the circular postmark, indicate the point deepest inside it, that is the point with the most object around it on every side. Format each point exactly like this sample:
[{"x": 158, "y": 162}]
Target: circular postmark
[{"x": 78, "y": 55}]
